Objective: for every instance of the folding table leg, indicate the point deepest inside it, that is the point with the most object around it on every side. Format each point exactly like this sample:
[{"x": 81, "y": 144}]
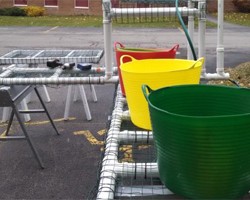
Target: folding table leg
[
  {"x": 28, "y": 138},
  {"x": 10, "y": 122},
  {"x": 92, "y": 87},
  {"x": 46, "y": 93},
  {"x": 75, "y": 93},
  {"x": 85, "y": 102},
  {"x": 6, "y": 114},
  {"x": 68, "y": 103},
  {"x": 25, "y": 107},
  {"x": 45, "y": 109}
]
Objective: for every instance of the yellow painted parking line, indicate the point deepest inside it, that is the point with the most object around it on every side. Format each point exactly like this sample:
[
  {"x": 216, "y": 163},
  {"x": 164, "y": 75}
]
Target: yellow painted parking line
[
  {"x": 3, "y": 134},
  {"x": 90, "y": 137},
  {"x": 141, "y": 147},
  {"x": 47, "y": 121},
  {"x": 102, "y": 132},
  {"x": 127, "y": 153},
  {"x": 30, "y": 123}
]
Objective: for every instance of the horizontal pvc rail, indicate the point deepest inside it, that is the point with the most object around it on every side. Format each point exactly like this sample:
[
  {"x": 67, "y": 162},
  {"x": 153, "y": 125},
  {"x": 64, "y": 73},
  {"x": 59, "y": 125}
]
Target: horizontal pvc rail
[
  {"x": 24, "y": 70},
  {"x": 8, "y": 72},
  {"x": 58, "y": 80},
  {"x": 155, "y": 11},
  {"x": 111, "y": 168}
]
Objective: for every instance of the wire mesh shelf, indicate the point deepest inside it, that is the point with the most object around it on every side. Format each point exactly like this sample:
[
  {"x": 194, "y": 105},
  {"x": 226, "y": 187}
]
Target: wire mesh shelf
[{"x": 42, "y": 56}]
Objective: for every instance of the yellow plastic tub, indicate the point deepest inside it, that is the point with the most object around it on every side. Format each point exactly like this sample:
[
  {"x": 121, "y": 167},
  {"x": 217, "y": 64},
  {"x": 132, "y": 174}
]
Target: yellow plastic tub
[{"x": 157, "y": 73}]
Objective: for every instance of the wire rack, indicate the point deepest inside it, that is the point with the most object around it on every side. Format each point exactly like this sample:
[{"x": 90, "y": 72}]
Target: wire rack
[
  {"x": 42, "y": 56},
  {"x": 128, "y": 169}
]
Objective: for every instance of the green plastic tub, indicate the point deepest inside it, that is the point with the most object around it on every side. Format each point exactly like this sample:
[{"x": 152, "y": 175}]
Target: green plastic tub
[{"x": 202, "y": 135}]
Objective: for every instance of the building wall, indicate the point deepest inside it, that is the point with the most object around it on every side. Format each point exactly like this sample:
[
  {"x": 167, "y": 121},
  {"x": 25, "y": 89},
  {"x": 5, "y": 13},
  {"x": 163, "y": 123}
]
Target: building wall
[
  {"x": 212, "y": 6},
  {"x": 67, "y": 7}
]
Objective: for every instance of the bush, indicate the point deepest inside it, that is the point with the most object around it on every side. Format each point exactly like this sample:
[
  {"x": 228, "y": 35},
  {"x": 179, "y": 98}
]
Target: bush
[
  {"x": 13, "y": 11},
  {"x": 242, "y": 5},
  {"x": 34, "y": 11}
]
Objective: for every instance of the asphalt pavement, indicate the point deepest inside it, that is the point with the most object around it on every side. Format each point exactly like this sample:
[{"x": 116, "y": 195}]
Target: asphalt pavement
[{"x": 72, "y": 159}]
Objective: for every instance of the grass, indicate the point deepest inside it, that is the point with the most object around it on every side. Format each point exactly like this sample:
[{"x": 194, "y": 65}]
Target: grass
[
  {"x": 238, "y": 18},
  {"x": 91, "y": 21},
  {"x": 72, "y": 21}
]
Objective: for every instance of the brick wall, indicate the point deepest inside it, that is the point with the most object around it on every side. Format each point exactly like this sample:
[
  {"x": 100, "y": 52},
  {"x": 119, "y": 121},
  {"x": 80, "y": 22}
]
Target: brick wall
[
  {"x": 213, "y": 4},
  {"x": 67, "y": 7}
]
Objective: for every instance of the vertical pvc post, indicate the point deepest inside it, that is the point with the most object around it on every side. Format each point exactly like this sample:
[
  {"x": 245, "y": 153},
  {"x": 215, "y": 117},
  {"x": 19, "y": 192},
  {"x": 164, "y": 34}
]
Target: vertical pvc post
[
  {"x": 107, "y": 28},
  {"x": 202, "y": 32},
  {"x": 190, "y": 30},
  {"x": 220, "y": 41}
]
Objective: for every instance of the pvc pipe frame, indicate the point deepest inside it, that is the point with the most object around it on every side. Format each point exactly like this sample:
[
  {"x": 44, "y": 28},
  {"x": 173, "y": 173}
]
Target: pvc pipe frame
[
  {"x": 108, "y": 12},
  {"x": 111, "y": 168},
  {"x": 157, "y": 11}
]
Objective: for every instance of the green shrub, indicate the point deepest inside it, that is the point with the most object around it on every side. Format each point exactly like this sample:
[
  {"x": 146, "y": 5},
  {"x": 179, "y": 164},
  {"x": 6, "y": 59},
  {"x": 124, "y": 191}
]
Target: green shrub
[
  {"x": 34, "y": 11},
  {"x": 242, "y": 5},
  {"x": 13, "y": 11}
]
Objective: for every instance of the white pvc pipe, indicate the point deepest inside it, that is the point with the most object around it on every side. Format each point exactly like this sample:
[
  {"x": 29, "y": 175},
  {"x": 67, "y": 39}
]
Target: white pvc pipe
[
  {"x": 202, "y": 32},
  {"x": 190, "y": 30},
  {"x": 220, "y": 39},
  {"x": 128, "y": 137},
  {"x": 131, "y": 169},
  {"x": 107, "y": 28},
  {"x": 58, "y": 80},
  {"x": 24, "y": 70},
  {"x": 209, "y": 76},
  {"x": 155, "y": 11},
  {"x": 106, "y": 189},
  {"x": 111, "y": 168}
]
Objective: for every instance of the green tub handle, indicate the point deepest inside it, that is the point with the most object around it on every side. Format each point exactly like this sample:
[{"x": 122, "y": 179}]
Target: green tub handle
[
  {"x": 126, "y": 56},
  {"x": 146, "y": 90},
  {"x": 234, "y": 82},
  {"x": 200, "y": 60}
]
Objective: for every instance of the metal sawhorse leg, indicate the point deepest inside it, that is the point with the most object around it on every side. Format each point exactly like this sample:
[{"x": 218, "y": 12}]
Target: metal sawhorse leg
[{"x": 10, "y": 97}]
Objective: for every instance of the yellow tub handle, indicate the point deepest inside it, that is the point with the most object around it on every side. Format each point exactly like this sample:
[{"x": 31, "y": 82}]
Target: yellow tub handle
[
  {"x": 200, "y": 60},
  {"x": 126, "y": 56}
]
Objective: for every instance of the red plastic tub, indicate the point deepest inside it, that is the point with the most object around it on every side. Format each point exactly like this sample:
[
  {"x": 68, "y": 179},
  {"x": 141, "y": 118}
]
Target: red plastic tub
[{"x": 140, "y": 54}]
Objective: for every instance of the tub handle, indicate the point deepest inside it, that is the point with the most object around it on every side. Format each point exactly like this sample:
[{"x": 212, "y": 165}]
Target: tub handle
[
  {"x": 201, "y": 60},
  {"x": 234, "y": 82},
  {"x": 120, "y": 44},
  {"x": 126, "y": 56},
  {"x": 146, "y": 90},
  {"x": 175, "y": 48}
]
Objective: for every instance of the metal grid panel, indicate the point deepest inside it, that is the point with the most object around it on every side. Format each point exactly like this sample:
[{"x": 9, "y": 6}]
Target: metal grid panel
[
  {"x": 129, "y": 169},
  {"x": 42, "y": 56}
]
